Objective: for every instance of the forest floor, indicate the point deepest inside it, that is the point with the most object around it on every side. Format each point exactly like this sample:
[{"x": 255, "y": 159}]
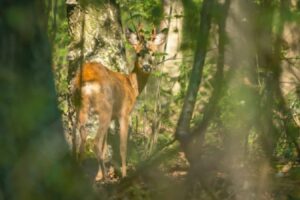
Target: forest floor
[{"x": 172, "y": 181}]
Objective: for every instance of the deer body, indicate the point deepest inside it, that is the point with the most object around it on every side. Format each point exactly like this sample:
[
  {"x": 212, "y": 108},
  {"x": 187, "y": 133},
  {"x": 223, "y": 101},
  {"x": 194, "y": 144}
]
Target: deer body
[
  {"x": 113, "y": 96},
  {"x": 117, "y": 90}
]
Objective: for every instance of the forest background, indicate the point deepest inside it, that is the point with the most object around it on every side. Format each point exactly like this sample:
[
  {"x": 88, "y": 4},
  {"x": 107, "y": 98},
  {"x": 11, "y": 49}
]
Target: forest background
[{"x": 219, "y": 118}]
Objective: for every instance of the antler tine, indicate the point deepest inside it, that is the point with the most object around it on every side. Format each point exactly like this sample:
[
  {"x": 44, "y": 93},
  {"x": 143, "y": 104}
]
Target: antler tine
[
  {"x": 153, "y": 34},
  {"x": 140, "y": 31},
  {"x": 140, "y": 26}
]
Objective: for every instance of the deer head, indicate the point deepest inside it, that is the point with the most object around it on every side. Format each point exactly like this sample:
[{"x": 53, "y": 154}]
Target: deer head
[{"x": 145, "y": 47}]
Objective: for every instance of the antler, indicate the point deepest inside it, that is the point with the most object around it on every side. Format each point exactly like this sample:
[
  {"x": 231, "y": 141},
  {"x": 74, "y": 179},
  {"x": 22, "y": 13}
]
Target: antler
[
  {"x": 140, "y": 31},
  {"x": 153, "y": 33}
]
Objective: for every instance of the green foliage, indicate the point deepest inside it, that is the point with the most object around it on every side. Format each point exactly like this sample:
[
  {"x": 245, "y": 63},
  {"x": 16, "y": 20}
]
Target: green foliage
[
  {"x": 138, "y": 11},
  {"x": 191, "y": 22},
  {"x": 58, "y": 34}
]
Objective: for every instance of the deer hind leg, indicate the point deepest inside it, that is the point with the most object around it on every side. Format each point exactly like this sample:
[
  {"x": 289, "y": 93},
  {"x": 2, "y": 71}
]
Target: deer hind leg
[
  {"x": 123, "y": 142},
  {"x": 100, "y": 140},
  {"x": 82, "y": 119}
]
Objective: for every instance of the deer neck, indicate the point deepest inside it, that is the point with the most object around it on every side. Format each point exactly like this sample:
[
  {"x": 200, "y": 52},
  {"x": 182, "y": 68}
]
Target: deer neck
[{"x": 138, "y": 79}]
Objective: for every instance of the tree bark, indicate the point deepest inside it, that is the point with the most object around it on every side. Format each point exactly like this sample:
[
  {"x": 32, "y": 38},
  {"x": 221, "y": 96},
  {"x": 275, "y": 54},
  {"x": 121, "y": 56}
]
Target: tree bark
[
  {"x": 173, "y": 11},
  {"x": 183, "y": 127},
  {"x": 219, "y": 83}
]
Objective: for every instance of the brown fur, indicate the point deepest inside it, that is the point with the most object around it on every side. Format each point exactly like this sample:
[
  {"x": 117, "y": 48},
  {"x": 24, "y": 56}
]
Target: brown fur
[{"x": 116, "y": 87}]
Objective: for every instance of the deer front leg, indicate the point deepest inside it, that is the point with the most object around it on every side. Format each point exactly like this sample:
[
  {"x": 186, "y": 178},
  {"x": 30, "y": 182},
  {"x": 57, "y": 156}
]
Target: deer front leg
[{"x": 123, "y": 141}]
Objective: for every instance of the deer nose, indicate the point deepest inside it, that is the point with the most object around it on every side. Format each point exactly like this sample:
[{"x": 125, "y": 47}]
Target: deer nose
[{"x": 147, "y": 68}]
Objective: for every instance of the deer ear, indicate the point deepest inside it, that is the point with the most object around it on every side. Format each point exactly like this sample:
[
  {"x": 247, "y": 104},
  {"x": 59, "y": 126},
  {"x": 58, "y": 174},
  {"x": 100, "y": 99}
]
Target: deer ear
[
  {"x": 160, "y": 38},
  {"x": 132, "y": 37}
]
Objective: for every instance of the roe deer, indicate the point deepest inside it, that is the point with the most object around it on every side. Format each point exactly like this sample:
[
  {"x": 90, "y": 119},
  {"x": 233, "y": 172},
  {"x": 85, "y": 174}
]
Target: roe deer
[{"x": 113, "y": 94}]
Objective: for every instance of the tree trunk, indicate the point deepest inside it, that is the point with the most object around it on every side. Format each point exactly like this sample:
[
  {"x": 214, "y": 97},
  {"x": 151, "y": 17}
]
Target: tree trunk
[
  {"x": 173, "y": 11},
  {"x": 183, "y": 127},
  {"x": 34, "y": 161}
]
